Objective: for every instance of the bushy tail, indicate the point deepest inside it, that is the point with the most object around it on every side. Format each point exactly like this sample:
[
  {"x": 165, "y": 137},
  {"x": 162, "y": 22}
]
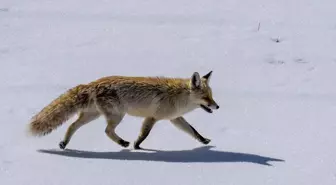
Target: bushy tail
[{"x": 59, "y": 111}]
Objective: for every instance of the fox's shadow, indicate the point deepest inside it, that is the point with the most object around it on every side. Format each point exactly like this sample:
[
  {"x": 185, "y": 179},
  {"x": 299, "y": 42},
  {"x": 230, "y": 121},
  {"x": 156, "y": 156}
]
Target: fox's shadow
[{"x": 200, "y": 155}]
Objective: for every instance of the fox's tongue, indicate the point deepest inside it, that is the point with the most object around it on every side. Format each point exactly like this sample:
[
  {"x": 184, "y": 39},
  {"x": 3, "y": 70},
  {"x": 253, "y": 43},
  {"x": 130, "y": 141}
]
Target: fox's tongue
[{"x": 206, "y": 109}]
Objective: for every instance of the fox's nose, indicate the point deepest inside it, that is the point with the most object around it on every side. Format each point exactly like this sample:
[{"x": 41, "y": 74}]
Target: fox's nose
[{"x": 214, "y": 106}]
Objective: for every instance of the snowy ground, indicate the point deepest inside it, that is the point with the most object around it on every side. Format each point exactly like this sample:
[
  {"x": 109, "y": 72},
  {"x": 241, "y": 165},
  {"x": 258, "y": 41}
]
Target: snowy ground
[{"x": 274, "y": 65}]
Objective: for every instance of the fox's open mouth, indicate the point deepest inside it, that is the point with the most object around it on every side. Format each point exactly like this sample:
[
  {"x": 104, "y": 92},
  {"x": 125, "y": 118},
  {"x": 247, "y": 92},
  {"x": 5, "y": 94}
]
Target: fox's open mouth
[{"x": 206, "y": 109}]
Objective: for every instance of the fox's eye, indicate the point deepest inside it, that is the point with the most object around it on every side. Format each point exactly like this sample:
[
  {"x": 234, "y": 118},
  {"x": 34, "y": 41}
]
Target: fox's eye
[{"x": 206, "y": 99}]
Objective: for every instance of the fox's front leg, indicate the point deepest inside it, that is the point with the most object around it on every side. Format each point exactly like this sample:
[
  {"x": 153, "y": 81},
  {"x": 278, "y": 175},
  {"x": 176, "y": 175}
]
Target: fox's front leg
[
  {"x": 147, "y": 126},
  {"x": 182, "y": 124}
]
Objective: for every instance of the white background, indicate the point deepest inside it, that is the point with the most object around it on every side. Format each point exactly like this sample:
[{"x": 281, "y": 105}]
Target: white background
[{"x": 276, "y": 124}]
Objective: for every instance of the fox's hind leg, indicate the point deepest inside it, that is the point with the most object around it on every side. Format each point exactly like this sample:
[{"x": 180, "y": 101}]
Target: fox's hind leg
[
  {"x": 108, "y": 103},
  {"x": 182, "y": 124},
  {"x": 113, "y": 121},
  {"x": 147, "y": 126},
  {"x": 84, "y": 118}
]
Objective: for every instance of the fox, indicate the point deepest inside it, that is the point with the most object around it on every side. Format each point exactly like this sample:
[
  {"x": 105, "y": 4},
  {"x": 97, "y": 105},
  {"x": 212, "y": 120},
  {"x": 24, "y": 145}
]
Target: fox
[{"x": 151, "y": 98}]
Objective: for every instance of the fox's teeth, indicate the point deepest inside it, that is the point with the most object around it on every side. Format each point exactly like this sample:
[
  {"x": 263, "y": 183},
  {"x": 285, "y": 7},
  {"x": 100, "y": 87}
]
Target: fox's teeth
[{"x": 205, "y": 108}]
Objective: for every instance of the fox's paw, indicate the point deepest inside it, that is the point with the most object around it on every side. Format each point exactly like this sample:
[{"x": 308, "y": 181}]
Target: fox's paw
[
  {"x": 124, "y": 143},
  {"x": 137, "y": 147},
  {"x": 206, "y": 141},
  {"x": 62, "y": 145}
]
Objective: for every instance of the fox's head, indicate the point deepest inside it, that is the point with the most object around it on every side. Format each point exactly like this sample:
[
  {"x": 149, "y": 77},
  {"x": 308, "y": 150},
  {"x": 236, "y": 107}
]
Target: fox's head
[{"x": 201, "y": 92}]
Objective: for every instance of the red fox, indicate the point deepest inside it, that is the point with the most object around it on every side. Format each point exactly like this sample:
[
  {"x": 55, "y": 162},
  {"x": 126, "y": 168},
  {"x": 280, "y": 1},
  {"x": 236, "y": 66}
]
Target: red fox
[{"x": 153, "y": 98}]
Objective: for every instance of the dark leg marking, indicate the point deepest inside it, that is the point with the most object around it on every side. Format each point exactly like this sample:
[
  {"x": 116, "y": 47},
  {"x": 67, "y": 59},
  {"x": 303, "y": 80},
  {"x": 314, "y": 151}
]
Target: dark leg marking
[{"x": 147, "y": 126}]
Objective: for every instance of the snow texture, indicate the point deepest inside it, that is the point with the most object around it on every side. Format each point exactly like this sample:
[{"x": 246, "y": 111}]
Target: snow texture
[{"x": 274, "y": 64}]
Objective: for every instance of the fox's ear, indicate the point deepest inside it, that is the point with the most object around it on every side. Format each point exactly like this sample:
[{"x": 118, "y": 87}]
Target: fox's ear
[
  {"x": 195, "y": 80},
  {"x": 207, "y": 76}
]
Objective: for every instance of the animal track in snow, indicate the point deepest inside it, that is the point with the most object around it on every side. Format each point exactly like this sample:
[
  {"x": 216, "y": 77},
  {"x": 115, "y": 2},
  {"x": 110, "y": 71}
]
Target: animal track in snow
[
  {"x": 4, "y": 9},
  {"x": 300, "y": 61}
]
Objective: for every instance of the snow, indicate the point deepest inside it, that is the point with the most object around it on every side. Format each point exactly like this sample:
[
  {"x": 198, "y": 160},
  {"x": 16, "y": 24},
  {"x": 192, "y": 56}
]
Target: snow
[{"x": 278, "y": 99}]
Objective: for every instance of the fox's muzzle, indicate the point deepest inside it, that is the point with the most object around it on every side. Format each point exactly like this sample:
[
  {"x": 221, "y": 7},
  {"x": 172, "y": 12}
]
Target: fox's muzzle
[
  {"x": 210, "y": 106},
  {"x": 214, "y": 105}
]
